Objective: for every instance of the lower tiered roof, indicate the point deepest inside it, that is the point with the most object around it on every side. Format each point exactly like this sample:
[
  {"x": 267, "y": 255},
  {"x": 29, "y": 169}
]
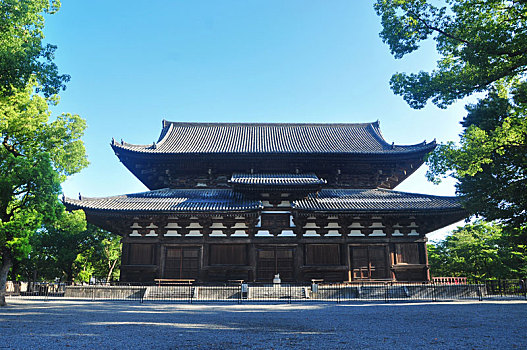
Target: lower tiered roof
[
  {"x": 358, "y": 201},
  {"x": 375, "y": 201},
  {"x": 169, "y": 201}
]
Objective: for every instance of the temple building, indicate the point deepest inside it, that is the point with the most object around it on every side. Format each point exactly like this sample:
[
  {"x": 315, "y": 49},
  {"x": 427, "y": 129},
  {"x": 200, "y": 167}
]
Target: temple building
[{"x": 246, "y": 201}]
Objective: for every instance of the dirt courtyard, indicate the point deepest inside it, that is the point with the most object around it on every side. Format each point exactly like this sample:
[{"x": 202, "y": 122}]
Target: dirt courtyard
[{"x": 59, "y": 324}]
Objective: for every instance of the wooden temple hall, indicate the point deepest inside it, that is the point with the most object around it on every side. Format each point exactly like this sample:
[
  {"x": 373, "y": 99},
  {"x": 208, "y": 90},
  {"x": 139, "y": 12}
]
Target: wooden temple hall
[{"x": 231, "y": 201}]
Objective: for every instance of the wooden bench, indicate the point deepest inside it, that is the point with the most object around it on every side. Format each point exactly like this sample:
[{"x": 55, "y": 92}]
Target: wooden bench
[{"x": 170, "y": 281}]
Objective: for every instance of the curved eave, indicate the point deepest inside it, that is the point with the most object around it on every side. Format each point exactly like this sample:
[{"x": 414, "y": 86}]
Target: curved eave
[
  {"x": 141, "y": 150},
  {"x": 110, "y": 206},
  {"x": 112, "y": 212},
  {"x": 458, "y": 212},
  {"x": 381, "y": 201}
]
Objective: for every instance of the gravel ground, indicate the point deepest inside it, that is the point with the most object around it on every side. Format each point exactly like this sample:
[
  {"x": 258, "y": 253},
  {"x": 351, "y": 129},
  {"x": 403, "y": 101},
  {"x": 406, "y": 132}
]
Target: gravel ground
[{"x": 58, "y": 324}]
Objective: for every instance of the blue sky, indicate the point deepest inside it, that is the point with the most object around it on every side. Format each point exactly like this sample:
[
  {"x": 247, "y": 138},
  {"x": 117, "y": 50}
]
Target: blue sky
[{"x": 134, "y": 63}]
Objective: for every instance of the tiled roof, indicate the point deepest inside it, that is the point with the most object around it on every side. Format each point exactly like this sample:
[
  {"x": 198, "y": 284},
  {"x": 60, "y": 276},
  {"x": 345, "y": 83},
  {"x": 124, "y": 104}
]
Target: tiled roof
[
  {"x": 169, "y": 201},
  {"x": 247, "y": 138},
  {"x": 214, "y": 200},
  {"x": 375, "y": 200},
  {"x": 278, "y": 180}
]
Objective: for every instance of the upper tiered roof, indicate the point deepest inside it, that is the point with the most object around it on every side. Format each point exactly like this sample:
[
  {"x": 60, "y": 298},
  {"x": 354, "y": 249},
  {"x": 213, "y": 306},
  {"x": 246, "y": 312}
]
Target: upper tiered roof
[
  {"x": 271, "y": 138},
  {"x": 353, "y": 155}
]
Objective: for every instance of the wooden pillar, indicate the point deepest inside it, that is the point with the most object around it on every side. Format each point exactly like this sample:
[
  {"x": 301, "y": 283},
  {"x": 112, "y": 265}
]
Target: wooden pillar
[
  {"x": 345, "y": 256},
  {"x": 158, "y": 256},
  {"x": 205, "y": 251},
  {"x": 425, "y": 251},
  {"x": 392, "y": 259},
  {"x": 299, "y": 262},
  {"x": 124, "y": 260},
  {"x": 162, "y": 261},
  {"x": 252, "y": 257}
]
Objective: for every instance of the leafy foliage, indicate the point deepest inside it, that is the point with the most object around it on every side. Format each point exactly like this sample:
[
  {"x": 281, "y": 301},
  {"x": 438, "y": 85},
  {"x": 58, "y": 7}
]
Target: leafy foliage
[
  {"x": 69, "y": 249},
  {"x": 479, "y": 250},
  {"x": 480, "y": 42},
  {"x": 491, "y": 162},
  {"x": 36, "y": 155},
  {"x": 483, "y": 48},
  {"x": 23, "y": 55},
  {"x": 61, "y": 241}
]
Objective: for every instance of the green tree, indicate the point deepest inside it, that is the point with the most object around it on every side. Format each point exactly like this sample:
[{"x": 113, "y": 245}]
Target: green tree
[
  {"x": 71, "y": 249},
  {"x": 479, "y": 250},
  {"x": 480, "y": 43},
  {"x": 105, "y": 257},
  {"x": 490, "y": 164},
  {"x": 36, "y": 155},
  {"x": 111, "y": 257},
  {"x": 23, "y": 56},
  {"x": 61, "y": 241},
  {"x": 483, "y": 48}
]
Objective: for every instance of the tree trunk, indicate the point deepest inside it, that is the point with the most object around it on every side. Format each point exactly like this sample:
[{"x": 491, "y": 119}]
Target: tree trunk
[
  {"x": 69, "y": 272},
  {"x": 112, "y": 266},
  {"x": 4, "y": 270}
]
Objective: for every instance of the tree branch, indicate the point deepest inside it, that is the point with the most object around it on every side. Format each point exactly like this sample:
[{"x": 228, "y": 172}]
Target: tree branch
[
  {"x": 437, "y": 29},
  {"x": 468, "y": 43},
  {"x": 10, "y": 148}
]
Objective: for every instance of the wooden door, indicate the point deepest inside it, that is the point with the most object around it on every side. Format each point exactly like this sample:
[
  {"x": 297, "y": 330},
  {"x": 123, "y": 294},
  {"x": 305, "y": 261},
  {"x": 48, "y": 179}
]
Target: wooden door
[
  {"x": 369, "y": 262},
  {"x": 182, "y": 262},
  {"x": 275, "y": 260}
]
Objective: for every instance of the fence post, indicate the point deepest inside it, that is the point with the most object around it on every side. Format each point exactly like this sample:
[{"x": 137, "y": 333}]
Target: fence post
[
  {"x": 434, "y": 296},
  {"x": 190, "y": 293},
  {"x": 142, "y": 292},
  {"x": 290, "y": 296},
  {"x": 524, "y": 286},
  {"x": 360, "y": 290},
  {"x": 386, "y": 292}
]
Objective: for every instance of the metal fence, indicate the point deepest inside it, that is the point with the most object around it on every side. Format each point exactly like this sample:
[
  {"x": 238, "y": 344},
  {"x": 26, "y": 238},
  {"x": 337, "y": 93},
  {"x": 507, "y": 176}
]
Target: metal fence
[{"x": 282, "y": 292}]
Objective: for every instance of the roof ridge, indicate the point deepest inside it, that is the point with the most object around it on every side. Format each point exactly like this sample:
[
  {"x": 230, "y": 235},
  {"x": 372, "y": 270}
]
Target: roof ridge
[{"x": 167, "y": 123}]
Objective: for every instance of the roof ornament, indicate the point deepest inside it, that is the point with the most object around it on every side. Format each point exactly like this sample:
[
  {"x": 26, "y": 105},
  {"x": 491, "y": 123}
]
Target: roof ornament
[
  {"x": 393, "y": 145},
  {"x": 113, "y": 141},
  {"x": 122, "y": 142},
  {"x": 80, "y": 196},
  {"x": 63, "y": 198},
  {"x": 154, "y": 145}
]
